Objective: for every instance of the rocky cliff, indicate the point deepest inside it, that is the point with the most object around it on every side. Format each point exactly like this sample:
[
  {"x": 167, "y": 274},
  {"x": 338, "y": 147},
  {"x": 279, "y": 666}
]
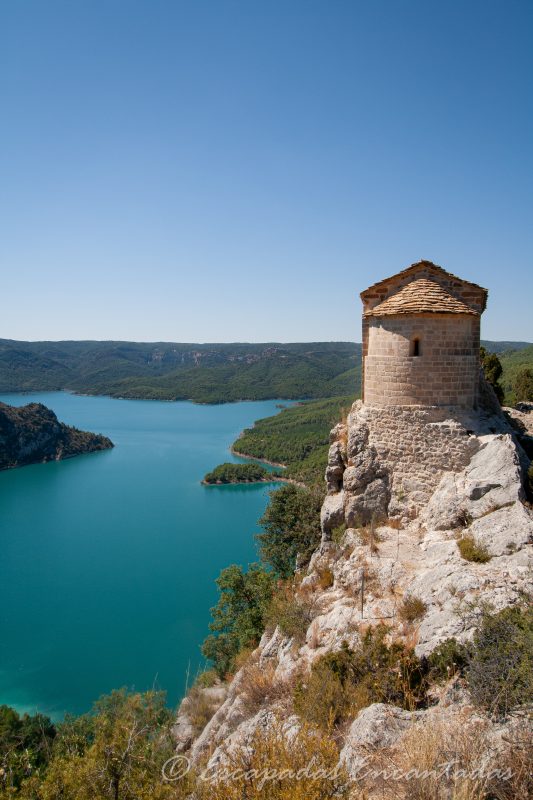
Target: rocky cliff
[
  {"x": 426, "y": 527},
  {"x": 32, "y": 434}
]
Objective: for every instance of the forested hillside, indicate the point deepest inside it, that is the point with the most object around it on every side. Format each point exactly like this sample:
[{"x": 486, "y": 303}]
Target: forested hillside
[
  {"x": 298, "y": 437},
  {"x": 205, "y": 373},
  {"x": 513, "y": 362}
]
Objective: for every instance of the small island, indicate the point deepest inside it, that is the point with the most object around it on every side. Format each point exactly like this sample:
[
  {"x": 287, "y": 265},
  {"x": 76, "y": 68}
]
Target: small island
[
  {"x": 32, "y": 434},
  {"x": 240, "y": 473}
]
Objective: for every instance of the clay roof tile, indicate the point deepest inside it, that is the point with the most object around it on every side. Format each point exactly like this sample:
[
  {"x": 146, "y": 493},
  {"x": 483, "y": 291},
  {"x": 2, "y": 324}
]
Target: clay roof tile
[{"x": 419, "y": 297}]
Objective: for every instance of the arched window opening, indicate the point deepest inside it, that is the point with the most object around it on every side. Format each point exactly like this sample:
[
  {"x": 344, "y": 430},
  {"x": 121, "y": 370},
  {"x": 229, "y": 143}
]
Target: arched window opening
[{"x": 415, "y": 347}]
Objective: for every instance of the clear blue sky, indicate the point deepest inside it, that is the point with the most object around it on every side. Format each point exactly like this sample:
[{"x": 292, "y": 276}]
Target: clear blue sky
[{"x": 221, "y": 171}]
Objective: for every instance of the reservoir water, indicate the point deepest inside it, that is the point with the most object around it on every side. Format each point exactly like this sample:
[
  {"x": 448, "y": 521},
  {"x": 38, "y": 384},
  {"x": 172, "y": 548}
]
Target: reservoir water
[{"x": 108, "y": 560}]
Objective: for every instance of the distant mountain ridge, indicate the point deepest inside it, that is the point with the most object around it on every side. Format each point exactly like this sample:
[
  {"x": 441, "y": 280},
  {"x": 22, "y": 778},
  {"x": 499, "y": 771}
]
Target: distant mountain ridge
[
  {"x": 209, "y": 373},
  {"x": 205, "y": 373}
]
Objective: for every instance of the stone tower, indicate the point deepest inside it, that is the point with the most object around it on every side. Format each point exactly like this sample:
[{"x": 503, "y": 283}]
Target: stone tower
[{"x": 421, "y": 339}]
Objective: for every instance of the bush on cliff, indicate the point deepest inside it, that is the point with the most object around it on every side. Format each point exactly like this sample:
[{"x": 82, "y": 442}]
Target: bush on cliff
[
  {"x": 500, "y": 666},
  {"x": 239, "y": 616},
  {"x": 523, "y": 386},
  {"x": 492, "y": 369},
  {"x": 280, "y": 763},
  {"x": 473, "y": 551},
  {"x": 341, "y": 683},
  {"x": 291, "y": 526},
  {"x": 497, "y": 665},
  {"x": 114, "y": 753},
  {"x": 292, "y": 611}
]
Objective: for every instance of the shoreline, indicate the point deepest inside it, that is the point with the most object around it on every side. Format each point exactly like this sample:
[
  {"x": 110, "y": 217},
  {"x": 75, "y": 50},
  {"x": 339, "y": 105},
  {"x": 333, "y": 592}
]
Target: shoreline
[
  {"x": 255, "y": 458},
  {"x": 245, "y": 483},
  {"x": 252, "y": 483}
]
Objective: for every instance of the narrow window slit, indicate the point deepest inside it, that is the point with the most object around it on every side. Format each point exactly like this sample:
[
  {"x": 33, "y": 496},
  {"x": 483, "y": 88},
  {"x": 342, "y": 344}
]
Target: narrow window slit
[{"x": 415, "y": 347}]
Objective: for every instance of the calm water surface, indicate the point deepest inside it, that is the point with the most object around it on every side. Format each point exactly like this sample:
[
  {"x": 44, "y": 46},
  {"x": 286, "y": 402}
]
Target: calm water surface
[{"x": 108, "y": 560}]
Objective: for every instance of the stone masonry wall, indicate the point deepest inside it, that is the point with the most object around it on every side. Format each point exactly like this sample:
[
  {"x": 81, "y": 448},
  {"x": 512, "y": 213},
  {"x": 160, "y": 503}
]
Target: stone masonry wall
[
  {"x": 445, "y": 373},
  {"x": 417, "y": 446},
  {"x": 386, "y": 462}
]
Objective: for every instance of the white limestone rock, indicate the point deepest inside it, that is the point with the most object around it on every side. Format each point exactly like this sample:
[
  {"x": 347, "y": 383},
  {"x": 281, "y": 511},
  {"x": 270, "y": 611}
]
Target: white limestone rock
[
  {"x": 331, "y": 514},
  {"x": 376, "y": 727},
  {"x": 492, "y": 480}
]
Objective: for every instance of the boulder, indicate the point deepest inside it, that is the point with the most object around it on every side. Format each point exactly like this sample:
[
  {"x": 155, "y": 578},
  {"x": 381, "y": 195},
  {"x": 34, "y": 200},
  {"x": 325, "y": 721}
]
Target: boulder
[
  {"x": 372, "y": 503},
  {"x": 375, "y": 727},
  {"x": 331, "y": 514}
]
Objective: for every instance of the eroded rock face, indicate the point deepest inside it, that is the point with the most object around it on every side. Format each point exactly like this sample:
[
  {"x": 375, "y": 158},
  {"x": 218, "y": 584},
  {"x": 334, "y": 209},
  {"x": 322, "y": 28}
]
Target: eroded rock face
[
  {"x": 185, "y": 729},
  {"x": 377, "y": 727},
  {"x": 388, "y": 462},
  {"x": 521, "y": 418},
  {"x": 412, "y": 552},
  {"x": 492, "y": 480}
]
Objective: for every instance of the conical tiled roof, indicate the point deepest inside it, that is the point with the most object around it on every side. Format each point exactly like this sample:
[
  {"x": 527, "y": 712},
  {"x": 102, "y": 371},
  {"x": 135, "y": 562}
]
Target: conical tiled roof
[{"x": 419, "y": 297}]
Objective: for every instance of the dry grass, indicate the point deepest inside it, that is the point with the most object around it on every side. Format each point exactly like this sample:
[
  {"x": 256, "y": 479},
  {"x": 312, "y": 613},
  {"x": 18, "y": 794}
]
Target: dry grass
[
  {"x": 199, "y": 708},
  {"x": 337, "y": 534},
  {"x": 412, "y": 609},
  {"x": 259, "y": 687},
  {"x": 279, "y": 764},
  {"x": 369, "y": 536},
  {"x": 394, "y": 523},
  {"x": 325, "y": 578},
  {"x": 473, "y": 551},
  {"x": 292, "y": 610},
  {"x": 456, "y": 759}
]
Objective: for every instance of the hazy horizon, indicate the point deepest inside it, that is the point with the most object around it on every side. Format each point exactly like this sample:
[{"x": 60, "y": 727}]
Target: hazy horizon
[{"x": 228, "y": 343}]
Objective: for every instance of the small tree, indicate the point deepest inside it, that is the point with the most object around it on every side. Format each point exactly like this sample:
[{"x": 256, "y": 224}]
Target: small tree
[
  {"x": 523, "y": 385},
  {"x": 238, "y": 617},
  {"x": 116, "y": 755},
  {"x": 25, "y": 745},
  {"x": 292, "y": 528},
  {"x": 492, "y": 369}
]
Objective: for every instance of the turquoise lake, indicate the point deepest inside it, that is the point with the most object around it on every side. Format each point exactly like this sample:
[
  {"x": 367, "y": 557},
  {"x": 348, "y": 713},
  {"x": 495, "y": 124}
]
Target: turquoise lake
[{"x": 108, "y": 560}]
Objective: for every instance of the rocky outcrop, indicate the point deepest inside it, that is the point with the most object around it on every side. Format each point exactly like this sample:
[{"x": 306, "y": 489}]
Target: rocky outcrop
[
  {"x": 404, "y": 486},
  {"x": 521, "y": 418},
  {"x": 387, "y": 462},
  {"x": 32, "y": 434}
]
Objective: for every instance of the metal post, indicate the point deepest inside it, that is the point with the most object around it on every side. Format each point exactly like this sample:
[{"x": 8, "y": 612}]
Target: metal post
[{"x": 362, "y": 591}]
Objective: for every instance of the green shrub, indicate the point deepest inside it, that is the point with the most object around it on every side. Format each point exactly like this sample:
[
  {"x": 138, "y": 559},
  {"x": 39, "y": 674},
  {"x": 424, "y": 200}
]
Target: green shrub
[
  {"x": 291, "y": 612},
  {"x": 492, "y": 369},
  {"x": 449, "y": 658},
  {"x": 343, "y": 682},
  {"x": 25, "y": 745},
  {"x": 472, "y": 551},
  {"x": 239, "y": 616},
  {"x": 337, "y": 533},
  {"x": 206, "y": 679},
  {"x": 500, "y": 668},
  {"x": 291, "y": 526},
  {"x": 523, "y": 385}
]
